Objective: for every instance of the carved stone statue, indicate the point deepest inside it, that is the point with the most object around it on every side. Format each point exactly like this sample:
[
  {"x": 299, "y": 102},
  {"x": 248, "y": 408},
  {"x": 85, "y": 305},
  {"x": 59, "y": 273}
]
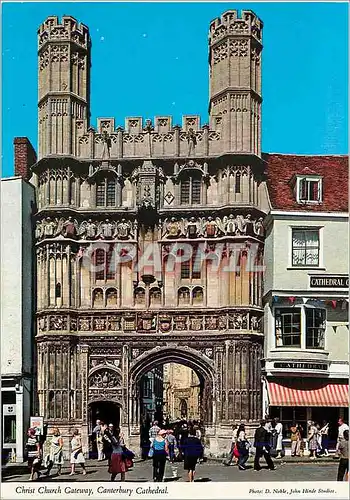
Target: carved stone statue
[
  {"x": 147, "y": 200},
  {"x": 259, "y": 229},
  {"x": 107, "y": 229},
  {"x": 254, "y": 323},
  {"x": 248, "y": 225},
  {"x": 106, "y": 145},
  {"x": 38, "y": 230},
  {"x": 192, "y": 141},
  {"x": 49, "y": 227},
  {"x": 123, "y": 229}
]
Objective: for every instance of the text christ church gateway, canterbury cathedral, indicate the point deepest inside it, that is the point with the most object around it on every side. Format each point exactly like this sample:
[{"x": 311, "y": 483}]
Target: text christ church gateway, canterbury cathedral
[{"x": 106, "y": 315}]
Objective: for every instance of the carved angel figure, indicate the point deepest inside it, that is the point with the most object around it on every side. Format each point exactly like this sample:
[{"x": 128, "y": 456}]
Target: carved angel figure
[
  {"x": 70, "y": 228},
  {"x": 258, "y": 227},
  {"x": 230, "y": 224},
  {"x": 254, "y": 323},
  {"x": 123, "y": 229},
  {"x": 39, "y": 229},
  {"x": 210, "y": 227},
  {"x": 49, "y": 227},
  {"x": 172, "y": 228},
  {"x": 88, "y": 228},
  {"x": 247, "y": 224},
  {"x": 192, "y": 228},
  {"x": 106, "y": 229}
]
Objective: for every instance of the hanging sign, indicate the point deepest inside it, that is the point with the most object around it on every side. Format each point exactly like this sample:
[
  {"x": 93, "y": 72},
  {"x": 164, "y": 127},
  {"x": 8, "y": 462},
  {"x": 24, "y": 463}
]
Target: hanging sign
[
  {"x": 329, "y": 281},
  {"x": 37, "y": 423},
  {"x": 9, "y": 409}
]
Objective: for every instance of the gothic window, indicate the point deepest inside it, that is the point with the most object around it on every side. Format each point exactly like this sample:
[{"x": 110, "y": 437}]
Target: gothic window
[
  {"x": 72, "y": 188},
  {"x": 183, "y": 296},
  {"x": 104, "y": 261},
  {"x": 106, "y": 192},
  {"x": 197, "y": 296},
  {"x": 155, "y": 297},
  {"x": 140, "y": 296},
  {"x": 97, "y": 298},
  {"x": 191, "y": 267},
  {"x": 58, "y": 290},
  {"x": 51, "y": 412},
  {"x": 190, "y": 190},
  {"x": 111, "y": 297}
]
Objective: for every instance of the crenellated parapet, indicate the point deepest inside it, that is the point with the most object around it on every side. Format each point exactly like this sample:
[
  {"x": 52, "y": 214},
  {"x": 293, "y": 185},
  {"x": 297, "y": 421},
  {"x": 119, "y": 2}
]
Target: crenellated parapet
[
  {"x": 231, "y": 23},
  {"x": 67, "y": 29},
  {"x": 140, "y": 139}
]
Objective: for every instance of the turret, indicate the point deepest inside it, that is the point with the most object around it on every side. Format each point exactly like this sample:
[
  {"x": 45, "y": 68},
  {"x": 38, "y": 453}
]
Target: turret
[
  {"x": 235, "y": 45},
  {"x": 64, "y": 85}
]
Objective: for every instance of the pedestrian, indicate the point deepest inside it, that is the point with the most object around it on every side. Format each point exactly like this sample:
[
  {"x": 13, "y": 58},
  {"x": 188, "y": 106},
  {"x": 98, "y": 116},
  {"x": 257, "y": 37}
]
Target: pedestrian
[
  {"x": 324, "y": 438},
  {"x": 33, "y": 453},
  {"x": 319, "y": 439},
  {"x": 234, "y": 453},
  {"x": 343, "y": 468},
  {"x": 295, "y": 439},
  {"x": 172, "y": 444},
  {"x": 55, "y": 456},
  {"x": 160, "y": 452},
  {"x": 278, "y": 437},
  {"x": 183, "y": 436},
  {"x": 262, "y": 447},
  {"x": 312, "y": 440},
  {"x": 107, "y": 442},
  {"x": 97, "y": 431},
  {"x": 198, "y": 432},
  {"x": 117, "y": 464},
  {"x": 342, "y": 428},
  {"x": 192, "y": 450},
  {"x": 243, "y": 447},
  {"x": 153, "y": 432},
  {"x": 77, "y": 456}
]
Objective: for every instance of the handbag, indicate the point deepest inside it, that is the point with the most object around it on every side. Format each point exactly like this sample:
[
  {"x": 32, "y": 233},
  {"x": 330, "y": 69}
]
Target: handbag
[
  {"x": 235, "y": 451},
  {"x": 151, "y": 452},
  {"x": 129, "y": 463}
]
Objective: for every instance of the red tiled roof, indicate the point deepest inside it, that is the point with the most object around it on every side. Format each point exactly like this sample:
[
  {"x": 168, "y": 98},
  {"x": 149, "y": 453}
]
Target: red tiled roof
[{"x": 333, "y": 169}]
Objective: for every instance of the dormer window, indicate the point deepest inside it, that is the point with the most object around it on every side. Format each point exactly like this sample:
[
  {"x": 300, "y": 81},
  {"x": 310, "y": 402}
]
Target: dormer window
[{"x": 309, "y": 189}]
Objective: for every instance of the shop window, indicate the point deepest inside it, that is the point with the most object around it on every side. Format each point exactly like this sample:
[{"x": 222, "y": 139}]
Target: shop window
[
  {"x": 9, "y": 429},
  {"x": 305, "y": 247},
  {"x": 315, "y": 328},
  {"x": 288, "y": 327}
]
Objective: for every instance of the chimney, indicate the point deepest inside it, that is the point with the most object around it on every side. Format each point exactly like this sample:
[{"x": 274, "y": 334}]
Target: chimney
[{"x": 25, "y": 157}]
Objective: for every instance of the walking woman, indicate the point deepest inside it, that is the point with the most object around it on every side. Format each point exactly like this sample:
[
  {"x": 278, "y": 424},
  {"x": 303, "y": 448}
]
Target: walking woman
[
  {"x": 160, "y": 452},
  {"x": 55, "y": 456},
  {"x": 312, "y": 439},
  {"x": 324, "y": 438},
  {"x": 117, "y": 464},
  {"x": 34, "y": 454},
  {"x": 243, "y": 447},
  {"x": 193, "y": 450},
  {"x": 77, "y": 456},
  {"x": 295, "y": 439}
]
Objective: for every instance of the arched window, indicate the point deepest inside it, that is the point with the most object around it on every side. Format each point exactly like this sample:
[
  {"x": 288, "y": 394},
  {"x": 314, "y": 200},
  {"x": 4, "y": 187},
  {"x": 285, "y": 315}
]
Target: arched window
[
  {"x": 140, "y": 296},
  {"x": 155, "y": 295},
  {"x": 106, "y": 192},
  {"x": 238, "y": 183},
  {"x": 190, "y": 190},
  {"x": 97, "y": 298},
  {"x": 111, "y": 297},
  {"x": 197, "y": 295},
  {"x": 183, "y": 296},
  {"x": 58, "y": 290}
]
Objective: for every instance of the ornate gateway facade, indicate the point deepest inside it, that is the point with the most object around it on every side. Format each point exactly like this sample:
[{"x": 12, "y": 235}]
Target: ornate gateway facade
[{"x": 149, "y": 239}]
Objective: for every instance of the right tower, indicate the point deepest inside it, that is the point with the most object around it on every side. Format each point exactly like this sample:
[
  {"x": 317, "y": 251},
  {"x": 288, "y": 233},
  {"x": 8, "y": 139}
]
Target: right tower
[{"x": 235, "y": 46}]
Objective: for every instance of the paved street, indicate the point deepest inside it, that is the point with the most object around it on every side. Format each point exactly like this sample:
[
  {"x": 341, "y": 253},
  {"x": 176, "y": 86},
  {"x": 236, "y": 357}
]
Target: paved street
[{"x": 211, "y": 471}]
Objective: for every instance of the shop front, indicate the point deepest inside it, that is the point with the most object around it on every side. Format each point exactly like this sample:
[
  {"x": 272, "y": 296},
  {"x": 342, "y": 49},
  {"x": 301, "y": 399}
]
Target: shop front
[{"x": 303, "y": 399}]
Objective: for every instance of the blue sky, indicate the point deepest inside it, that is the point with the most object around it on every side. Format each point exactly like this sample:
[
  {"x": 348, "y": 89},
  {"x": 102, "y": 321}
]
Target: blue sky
[{"x": 152, "y": 59}]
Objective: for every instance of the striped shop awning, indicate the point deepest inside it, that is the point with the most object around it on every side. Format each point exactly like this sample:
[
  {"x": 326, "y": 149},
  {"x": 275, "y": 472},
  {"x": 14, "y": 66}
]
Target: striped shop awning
[{"x": 313, "y": 394}]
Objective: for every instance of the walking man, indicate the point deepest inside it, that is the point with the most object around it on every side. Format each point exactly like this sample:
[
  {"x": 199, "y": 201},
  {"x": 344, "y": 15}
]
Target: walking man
[
  {"x": 99, "y": 442},
  {"x": 262, "y": 446},
  {"x": 343, "y": 468}
]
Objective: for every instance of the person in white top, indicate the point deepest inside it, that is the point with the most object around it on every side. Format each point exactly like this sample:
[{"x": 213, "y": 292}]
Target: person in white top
[
  {"x": 342, "y": 427},
  {"x": 324, "y": 431},
  {"x": 279, "y": 436}
]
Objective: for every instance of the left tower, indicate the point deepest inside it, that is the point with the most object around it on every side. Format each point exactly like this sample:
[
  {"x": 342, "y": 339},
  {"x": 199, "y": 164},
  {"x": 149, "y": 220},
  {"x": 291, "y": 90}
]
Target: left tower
[{"x": 64, "y": 50}]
